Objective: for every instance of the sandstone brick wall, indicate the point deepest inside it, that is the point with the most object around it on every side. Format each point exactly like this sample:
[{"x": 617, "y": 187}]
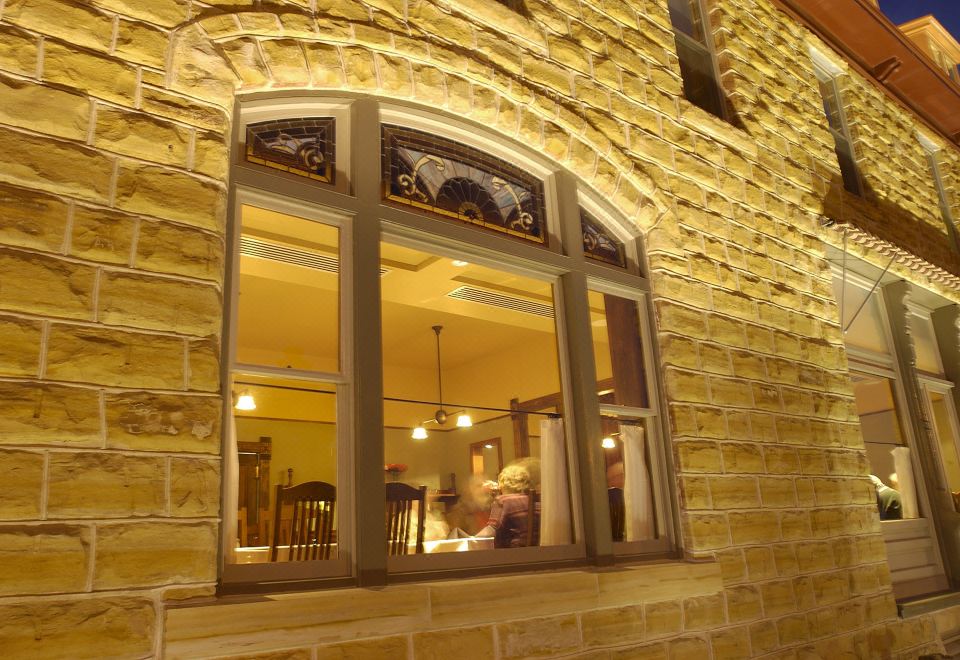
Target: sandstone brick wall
[{"x": 114, "y": 131}]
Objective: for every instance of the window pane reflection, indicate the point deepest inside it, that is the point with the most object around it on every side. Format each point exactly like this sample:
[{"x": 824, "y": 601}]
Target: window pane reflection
[
  {"x": 618, "y": 350},
  {"x": 944, "y": 422},
  {"x": 629, "y": 488},
  {"x": 288, "y": 312},
  {"x": 287, "y": 453},
  {"x": 490, "y": 450},
  {"x": 890, "y": 460}
]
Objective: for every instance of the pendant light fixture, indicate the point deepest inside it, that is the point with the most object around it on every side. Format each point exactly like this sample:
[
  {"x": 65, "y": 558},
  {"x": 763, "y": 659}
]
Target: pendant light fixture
[
  {"x": 440, "y": 416},
  {"x": 245, "y": 401}
]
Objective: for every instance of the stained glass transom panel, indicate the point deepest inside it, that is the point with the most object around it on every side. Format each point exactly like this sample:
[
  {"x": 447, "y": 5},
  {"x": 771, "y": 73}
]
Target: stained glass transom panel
[
  {"x": 599, "y": 244},
  {"x": 452, "y": 180},
  {"x": 300, "y": 146}
]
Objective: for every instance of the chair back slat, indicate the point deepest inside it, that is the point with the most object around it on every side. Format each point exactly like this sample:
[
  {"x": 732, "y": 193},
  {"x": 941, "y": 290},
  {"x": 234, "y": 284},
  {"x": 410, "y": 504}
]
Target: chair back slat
[
  {"x": 312, "y": 505},
  {"x": 399, "y": 510}
]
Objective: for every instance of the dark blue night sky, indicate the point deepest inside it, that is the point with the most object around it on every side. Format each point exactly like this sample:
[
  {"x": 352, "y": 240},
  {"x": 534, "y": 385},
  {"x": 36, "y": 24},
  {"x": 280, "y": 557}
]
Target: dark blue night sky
[{"x": 945, "y": 11}]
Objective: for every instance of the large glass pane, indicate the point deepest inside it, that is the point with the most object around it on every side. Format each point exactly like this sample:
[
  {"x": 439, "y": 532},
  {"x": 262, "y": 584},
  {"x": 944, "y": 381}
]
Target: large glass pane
[
  {"x": 700, "y": 85},
  {"x": 626, "y": 450},
  {"x": 472, "y": 402},
  {"x": 685, "y": 17},
  {"x": 863, "y": 316},
  {"x": 288, "y": 309},
  {"x": 945, "y": 426},
  {"x": 618, "y": 350},
  {"x": 925, "y": 343},
  {"x": 891, "y": 463},
  {"x": 286, "y": 437}
]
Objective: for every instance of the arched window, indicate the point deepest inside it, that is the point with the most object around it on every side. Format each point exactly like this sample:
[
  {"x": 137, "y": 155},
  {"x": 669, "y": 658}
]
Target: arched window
[{"x": 438, "y": 352}]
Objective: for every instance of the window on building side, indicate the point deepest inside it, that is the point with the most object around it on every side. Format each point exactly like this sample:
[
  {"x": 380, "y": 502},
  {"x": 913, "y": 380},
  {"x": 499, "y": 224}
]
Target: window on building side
[
  {"x": 837, "y": 122},
  {"x": 945, "y": 211},
  {"x": 401, "y": 350},
  {"x": 701, "y": 80}
]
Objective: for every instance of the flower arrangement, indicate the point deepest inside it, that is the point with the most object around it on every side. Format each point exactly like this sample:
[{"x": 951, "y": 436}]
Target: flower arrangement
[{"x": 395, "y": 469}]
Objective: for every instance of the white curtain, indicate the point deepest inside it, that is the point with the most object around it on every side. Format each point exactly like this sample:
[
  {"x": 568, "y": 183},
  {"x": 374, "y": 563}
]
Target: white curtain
[
  {"x": 231, "y": 493},
  {"x": 554, "y": 495},
  {"x": 638, "y": 504},
  {"x": 906, "y": 485}
]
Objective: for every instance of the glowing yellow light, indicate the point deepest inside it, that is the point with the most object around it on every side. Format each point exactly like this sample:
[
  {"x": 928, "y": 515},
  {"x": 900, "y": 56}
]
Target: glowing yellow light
[
  {"x": 245, "y": 402},
  {"x": 419, "y": 433},
  {"x": 608, "y": 443}
]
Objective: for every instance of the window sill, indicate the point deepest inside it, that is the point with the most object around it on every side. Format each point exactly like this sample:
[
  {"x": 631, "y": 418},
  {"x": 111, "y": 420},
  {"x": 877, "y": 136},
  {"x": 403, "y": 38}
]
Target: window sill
[{"x": 247, "y": 624}]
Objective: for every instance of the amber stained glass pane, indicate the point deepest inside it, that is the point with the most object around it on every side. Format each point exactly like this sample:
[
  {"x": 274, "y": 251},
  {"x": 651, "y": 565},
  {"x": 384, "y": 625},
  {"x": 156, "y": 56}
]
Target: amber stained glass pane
[
  {"x": 299, "y": 146},
  {"x": 452, "y": 180},
  {"x": 599, "y": 244}
]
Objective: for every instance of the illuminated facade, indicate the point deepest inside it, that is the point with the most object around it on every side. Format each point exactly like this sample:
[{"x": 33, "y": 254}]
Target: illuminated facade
[{"x": 677, "y": 276}]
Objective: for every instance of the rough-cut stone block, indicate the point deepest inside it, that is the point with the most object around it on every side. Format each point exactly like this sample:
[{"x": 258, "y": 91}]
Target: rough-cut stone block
[
  {"x": 29, "y": 105},
  {"x": 154, "y": 553},
  {"x": 657, "y": 582},
  {"x": 210, "y": 155},
  {"x": 141, "y": 43},
  {"x": 51, "y": 165},
  {"x": 461, "y": 643},
  {"x": 48, "y": 414},
  {"x": 102, "y": 77},
  {"x": 115, "y": 358},
  {"x": 532, "y": 638},
  {"x": 203, "y": 370},
  {"x": 161, "y": 422},
  {"x": 612, "y": 626},
  {"x": 101, "y": 235},
  {"x": 364, "y": 649},
  {"x": 73, "y": 22},
  {"x": 662, "y": 618},
  {"x": 97, "y": 485},
  {"x": 109, "y": 627},
  {"x": 170, "y": 248},
  {"x": 23, "y": 483},
  {"x": 40, "y": 559},
  {"x": 173, "y": 106},
  {"x": 137, "y": 301},
  {"x": 316, "y": 617},
  {"x": 31, "y": 219},
  {"x": 141, "y": 135},
  {"x": 19, "y": 346},
  {"x": 194, "y": 487},
  {"x": 18, "y": 51},
  {"x": 170, "y": 195},
  {"x": 45, "y": 285}
]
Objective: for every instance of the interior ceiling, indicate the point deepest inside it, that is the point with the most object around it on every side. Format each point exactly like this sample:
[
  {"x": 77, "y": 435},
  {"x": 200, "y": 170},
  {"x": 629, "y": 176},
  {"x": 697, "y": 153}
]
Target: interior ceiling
[{"x": 292, "y": 309}]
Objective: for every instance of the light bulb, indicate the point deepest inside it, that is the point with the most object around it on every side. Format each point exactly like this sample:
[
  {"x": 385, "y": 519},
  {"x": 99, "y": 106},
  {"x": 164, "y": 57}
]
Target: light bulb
[
  {"x": 459, "y": 263},
  {"x": 488, "y": 446},
  {"x": 608, "y": 443},
  {"x": 419, "y": 433},
  {"x": 463, "y": 420},
  {"x": 245, "y": 402}
]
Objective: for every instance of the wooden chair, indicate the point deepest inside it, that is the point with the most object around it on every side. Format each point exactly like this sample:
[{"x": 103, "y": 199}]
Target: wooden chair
[
  {"x": 311, "y": 526},
  {"x": 533, "y": 518},
  {"x": 618, "y": 513},
  {"x": 400, "y": 499}
]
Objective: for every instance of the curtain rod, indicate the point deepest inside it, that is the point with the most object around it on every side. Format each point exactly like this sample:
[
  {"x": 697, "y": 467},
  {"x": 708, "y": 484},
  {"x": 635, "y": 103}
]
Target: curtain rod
[{"x": 399, "y": 400}]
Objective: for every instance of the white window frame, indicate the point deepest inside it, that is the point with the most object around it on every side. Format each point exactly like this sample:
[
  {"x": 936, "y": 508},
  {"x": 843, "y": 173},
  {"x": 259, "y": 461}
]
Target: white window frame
[
  {"x": 827, "y": 74},
  {"x": 351, "y": 203},
  {"x": 932, "y": 151}
]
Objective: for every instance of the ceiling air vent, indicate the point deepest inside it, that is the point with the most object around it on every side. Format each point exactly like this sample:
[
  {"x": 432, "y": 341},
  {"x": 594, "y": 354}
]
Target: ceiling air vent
[
  {"x": 252, "y": 247},
  {"x": 485, "y": 297}
]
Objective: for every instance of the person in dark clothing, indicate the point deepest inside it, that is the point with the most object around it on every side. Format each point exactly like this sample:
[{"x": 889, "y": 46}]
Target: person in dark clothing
[{"x": 888, "y": 500}]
